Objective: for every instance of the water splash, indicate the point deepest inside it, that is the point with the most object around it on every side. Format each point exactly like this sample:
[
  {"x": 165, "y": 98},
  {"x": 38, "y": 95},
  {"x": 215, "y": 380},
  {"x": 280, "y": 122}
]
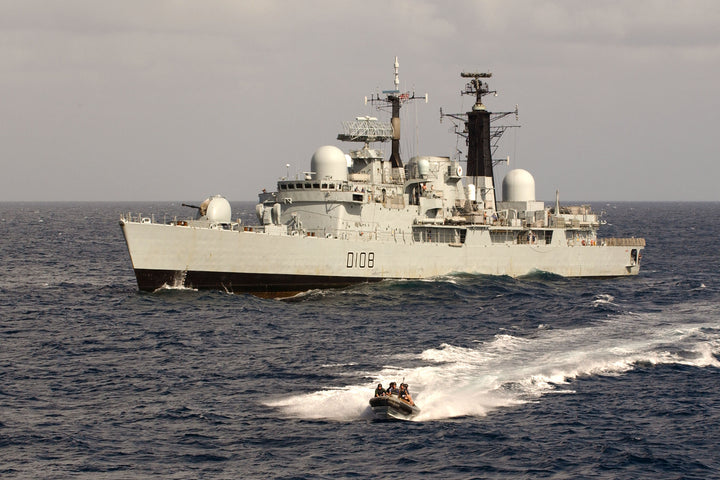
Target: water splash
[
  {"x": 508, "y": 370},
  {"x": 604, "y": 299}
]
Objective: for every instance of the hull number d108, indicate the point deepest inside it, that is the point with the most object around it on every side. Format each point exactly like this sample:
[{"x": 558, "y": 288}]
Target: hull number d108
[{"x": 360, "y": 260}]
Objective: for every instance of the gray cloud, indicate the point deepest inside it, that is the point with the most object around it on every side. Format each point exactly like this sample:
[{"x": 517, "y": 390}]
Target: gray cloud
[{"x": 179, "y": 99}]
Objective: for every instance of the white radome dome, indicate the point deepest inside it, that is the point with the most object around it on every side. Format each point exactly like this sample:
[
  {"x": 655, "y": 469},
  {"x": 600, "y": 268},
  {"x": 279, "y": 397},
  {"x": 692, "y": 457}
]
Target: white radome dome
[
  {"x": 218, "y": 210},
  {"x": 329, "y": 162},
  {"x": 518, "y": 186}
]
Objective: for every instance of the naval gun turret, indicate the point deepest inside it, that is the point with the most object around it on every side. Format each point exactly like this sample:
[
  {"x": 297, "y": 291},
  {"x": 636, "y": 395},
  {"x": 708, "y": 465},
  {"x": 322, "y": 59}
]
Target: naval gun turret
[{"x": 215, "y": 209}]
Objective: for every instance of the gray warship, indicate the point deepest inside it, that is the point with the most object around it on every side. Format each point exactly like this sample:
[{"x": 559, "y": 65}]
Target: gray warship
[{"x": 360, "y": 217}]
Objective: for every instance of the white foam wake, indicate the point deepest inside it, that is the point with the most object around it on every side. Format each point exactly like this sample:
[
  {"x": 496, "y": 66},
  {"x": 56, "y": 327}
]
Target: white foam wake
[
  {"x": 165, "y": 286},
  {"x": 509, "y": 370}
]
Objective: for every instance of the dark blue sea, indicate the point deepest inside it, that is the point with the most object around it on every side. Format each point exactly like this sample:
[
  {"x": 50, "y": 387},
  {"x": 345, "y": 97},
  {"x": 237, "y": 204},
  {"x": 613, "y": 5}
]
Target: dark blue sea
[{"x": 539, "y": 377}]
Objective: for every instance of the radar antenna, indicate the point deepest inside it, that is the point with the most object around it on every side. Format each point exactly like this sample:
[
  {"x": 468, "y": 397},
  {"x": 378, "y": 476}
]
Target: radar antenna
[
  {"x": 367, "y": 130},
  {"x": 477, "y": 87}
]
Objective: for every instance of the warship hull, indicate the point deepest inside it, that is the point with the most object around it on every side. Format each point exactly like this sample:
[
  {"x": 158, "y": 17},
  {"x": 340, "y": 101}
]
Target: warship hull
[
  {"x": 358, "y": 217},
  {"x": 169, "y": 255}
]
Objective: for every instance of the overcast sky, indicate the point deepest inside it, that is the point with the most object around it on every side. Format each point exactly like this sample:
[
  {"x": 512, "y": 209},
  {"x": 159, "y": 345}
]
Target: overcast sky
[{"x": 177, "y": 100}]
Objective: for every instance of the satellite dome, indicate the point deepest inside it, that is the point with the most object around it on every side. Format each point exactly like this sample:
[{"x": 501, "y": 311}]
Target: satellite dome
[
  {"x": 518, "y": 186},
  {"x": 329, "y": 162},
  {"x": 423, "y": 164},
  {"x": 218, "y": 210}
]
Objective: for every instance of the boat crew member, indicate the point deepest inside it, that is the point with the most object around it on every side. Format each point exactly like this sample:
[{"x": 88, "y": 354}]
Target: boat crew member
[
  {"x": 405, "y": 394},
  {"x": 380, "y": 391},
  {"x": 392, "y": 389}
]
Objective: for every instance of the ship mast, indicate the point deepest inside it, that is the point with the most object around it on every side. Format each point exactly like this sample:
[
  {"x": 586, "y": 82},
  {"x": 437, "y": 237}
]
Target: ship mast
[
  {"x": 481, "y": 138},
  {"x": 394, "y": 98},
  {"x": 479, "y": 157}
]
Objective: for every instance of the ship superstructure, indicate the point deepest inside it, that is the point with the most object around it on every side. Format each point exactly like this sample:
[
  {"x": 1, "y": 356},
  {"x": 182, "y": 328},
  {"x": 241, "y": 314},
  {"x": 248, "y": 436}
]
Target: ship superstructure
[{"x": 361, "y": 217}]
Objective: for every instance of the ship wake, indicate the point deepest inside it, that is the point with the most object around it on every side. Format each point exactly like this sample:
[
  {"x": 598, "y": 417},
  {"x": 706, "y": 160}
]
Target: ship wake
[{"x": 507, "y": 370}]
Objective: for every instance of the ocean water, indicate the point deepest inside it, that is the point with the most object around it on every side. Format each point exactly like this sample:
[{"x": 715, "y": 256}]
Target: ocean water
[{"x": 539, "y": 377}]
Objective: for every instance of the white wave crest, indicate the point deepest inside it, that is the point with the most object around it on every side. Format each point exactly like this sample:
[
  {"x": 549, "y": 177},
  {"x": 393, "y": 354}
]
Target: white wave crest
[
  {"x": 508, "y": 370},
  {"x": 165, "y": 286},
  {"x": 603, "y": 299}
]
